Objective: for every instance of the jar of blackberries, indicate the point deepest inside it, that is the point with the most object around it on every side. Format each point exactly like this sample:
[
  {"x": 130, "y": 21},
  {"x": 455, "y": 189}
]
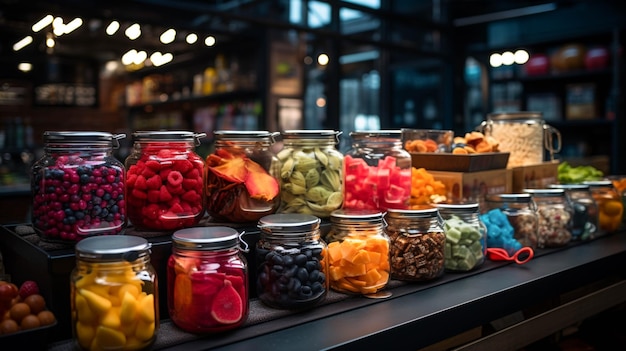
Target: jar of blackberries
[
  {"x": 78, "y": 187},
  {"x": 114, "y": 294},
  {"x": 292, "y": 268},
  {"x": 164, "y": 181},
  {"x": 242, "y": 175},
  {"x": 207, "y": 279}
]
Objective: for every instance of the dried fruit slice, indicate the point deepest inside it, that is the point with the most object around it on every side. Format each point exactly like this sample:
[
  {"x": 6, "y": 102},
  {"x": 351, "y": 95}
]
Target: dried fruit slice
[
  {"x": 227, "y": 307},
  {"x": 259, "y": 183}
]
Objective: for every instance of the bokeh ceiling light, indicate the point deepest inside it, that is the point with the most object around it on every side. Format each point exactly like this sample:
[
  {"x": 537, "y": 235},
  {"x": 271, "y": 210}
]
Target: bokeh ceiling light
[
  {"x": 508, "y": 58},
  {"x": 191, "y": 38},
  {"x": 42, "y": 23},
  {"x": 25, "y": 67},
  {"x": 323, "y": 59},
  {"x": 133, "y": 32},
  {"x": 168, "y": 36},
  {"x": 22, "y": 43},
  {"x": 209, "y": 41},
  {"x": 113, "y": 27},
  {"x": 73, "y": 25},
  {"x": 495, "y": 60},
  {"x": 521, "y": 57}
]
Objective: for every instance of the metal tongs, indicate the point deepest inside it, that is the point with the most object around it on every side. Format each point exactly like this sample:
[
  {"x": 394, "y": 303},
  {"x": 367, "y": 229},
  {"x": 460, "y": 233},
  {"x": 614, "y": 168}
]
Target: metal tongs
[{"x": 520, "y": 256}]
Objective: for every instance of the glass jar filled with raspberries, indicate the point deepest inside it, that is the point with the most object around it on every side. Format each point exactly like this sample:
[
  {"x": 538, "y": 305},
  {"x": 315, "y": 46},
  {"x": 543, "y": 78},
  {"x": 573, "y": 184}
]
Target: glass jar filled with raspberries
[
  {"x": 78, "y": 186},
  {"x": 164, "y": 182}
]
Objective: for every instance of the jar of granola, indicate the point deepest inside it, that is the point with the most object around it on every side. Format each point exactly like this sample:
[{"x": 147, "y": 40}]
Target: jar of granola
[{"x": 554, "y": 213}]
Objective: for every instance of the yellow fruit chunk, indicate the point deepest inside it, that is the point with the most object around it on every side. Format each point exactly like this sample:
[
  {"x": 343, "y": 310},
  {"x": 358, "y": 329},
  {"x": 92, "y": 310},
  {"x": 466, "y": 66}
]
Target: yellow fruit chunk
[
  {"x": 84, "y": 313},
  {"x": 84, "y": 334},
  {"x": 361, "y": 258},
  {"x": 87, "y": 279},
  {"x": 145, "y": 330},
  {"x": 146, "y": 308},
  {"x": 334, "y": 251},
  {"x": 97, "y": 303},
  {"x": 100, "y": 289},
  {"x": 107, "y": 338},
  {"x": 130, "y": 288},
  {"x": 129, "y": 329},
  {"x": 128, "y": 309},
  {"x": 112, "y": 318}
]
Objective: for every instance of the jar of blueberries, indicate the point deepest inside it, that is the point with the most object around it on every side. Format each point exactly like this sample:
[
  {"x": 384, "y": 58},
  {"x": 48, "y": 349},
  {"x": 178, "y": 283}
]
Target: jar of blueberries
[
  {"x": 291, "y": 269},
  {"x": 78, "y": 187},
  {"x": 164, "y": 181},
  {"x": 554, "y": 214}
]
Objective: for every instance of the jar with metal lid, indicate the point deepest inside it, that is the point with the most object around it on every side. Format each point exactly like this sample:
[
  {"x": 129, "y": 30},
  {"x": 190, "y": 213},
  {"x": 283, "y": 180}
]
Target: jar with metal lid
[
  {"x": 242, "y": 176},
  {"x": 511, "y": 221},
  {"x": 417, "y": 244},
  {"x": 554, "y": 214},
  {"x": 114, "y": 294},
  {"x": 466, "y": 236},
  {"x": 585, "y": 210},
  {"x": 610, "y": 206},
  {"x": 311, "y": 174},
  {"x": 523, "y": 134},
  {"x": 207, "y": 280},
  {"x": 292, "y": 270},
  {"x": 78, "y": 187},
  {"x": 164, "y": 180},
  {"x": 377, "y": 172},
  {"x": 358, "y": 251}
]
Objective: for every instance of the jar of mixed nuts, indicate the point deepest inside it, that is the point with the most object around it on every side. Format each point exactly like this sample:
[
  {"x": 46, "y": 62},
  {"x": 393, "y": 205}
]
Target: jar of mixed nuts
[
  {"x": 164, "y": 180},
  {"x": 417, "y": 242},
  {"x": 207, "y": 280},
  {"x": 585, "y": 210},
  {"x": 610, "y": 206},
  {"x": 292, "y": 268},
  {"x": 554, "y": 213},
  {"x": 311, "y": 174},
  {"x": 511, "y": 221},
  {"x": 242, "y": 176},
  {"x": 377, "y": 172},
  {"x": 114, "y": 295},
  {"x": 78, "y": 187},
  {"x": 358, "y": 251},
  {"x": 466, "y": 236}
]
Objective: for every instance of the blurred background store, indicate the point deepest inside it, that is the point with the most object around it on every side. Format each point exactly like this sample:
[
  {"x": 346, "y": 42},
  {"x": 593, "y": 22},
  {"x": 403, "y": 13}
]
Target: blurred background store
[{"x": 122, "y": 66}]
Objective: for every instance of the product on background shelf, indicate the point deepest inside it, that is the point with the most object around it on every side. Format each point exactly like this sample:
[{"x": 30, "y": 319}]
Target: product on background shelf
[{"x": 164, "y": 182}]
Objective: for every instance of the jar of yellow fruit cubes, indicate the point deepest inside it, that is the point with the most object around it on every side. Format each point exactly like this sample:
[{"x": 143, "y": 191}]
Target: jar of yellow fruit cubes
[
  {"x": 114, "y": 300},
  {"x": 358, "y": 252}
]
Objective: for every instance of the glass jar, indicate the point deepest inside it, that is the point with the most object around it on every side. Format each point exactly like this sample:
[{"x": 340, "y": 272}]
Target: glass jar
[
  {"x": 291, "y": 267},
  {"x": 358, "y": 251},
  {"x": 417, "y": 244},
  {"x": 377, "y": 172},
  {"x": 311, "y": 174},
  {"x": 207, "y": 280},
  {"x": 619, "y": 182},
  {"x": 524, "y": 135},
  {"x": 78, "y": 187},
  {"x": 242, "y": 176},
  {"x": 164, "y": 181},
  {"x": 585, "y": 210},
  {"x": 610, "y": 206},
  {"x": 114, "y": 294},
  {"x": 554, "y": 213},
  {"x": 511, "y": 221},
  {"x": 466, "y": 236}
]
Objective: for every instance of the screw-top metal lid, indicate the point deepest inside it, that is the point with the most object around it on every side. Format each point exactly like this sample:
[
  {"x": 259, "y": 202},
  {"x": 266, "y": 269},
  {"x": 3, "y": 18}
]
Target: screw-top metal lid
[
  {"x": 288, "y": 224},
  {"x": 322, "y": 134},
  {"x": 356, "y": 217},
  {"x": 85, "y": 138},
  {"x": 408, "y": 214},
  {"x": 246, "y": 135},
  {"x": 598, "y": 183},
  {"x": 545, "y": 192},
  {"x": 168, "y": 135},
  {"x": 576, "y": 186},
  {"x": 206, "y": 238},
  {"x": 112, "y": 248},
  {"x": 527, "y": 116},
  {"x": 525, "y": 197}
]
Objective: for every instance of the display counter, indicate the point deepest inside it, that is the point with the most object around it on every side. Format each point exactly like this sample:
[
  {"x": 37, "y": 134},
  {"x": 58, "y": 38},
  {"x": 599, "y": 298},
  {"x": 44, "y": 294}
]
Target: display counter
[{"x": 575, "y": 282}]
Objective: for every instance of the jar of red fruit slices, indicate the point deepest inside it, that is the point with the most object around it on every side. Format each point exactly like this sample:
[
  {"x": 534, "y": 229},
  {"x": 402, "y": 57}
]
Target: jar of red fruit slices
[
  {"x": 207, "y": 280},
  {"x": 164, "y": 180},
  {"x": 78, "y": 187},
  {"x": 377, "y": 171}
]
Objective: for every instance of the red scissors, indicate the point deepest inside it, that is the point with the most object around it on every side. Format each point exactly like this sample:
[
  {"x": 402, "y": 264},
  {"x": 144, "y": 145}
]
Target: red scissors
[{"x": 521, "y": 256}]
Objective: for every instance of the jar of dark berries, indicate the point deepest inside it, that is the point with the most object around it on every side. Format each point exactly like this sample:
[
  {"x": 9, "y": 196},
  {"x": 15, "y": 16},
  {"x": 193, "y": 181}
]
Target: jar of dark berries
[
  {"x": 242, "y": 176},
  {"x": 585, "y": 210},
  {"x": 417, "y": 244},
  {"x": 358, "y": 251},
  {"x": 164, "y": 181},
  {"x": 554, "y": 214},
  {"x": 207, "y": 280},
  {"x": 291, "y": 261},
  {"x": 78, "y": 187}
]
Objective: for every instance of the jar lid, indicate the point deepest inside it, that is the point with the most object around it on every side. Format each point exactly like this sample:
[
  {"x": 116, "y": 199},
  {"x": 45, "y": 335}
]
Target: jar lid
[
  {"x": 168, "y": 135},
  {"x": 516, "y": 115},
  {"x": 545, "y": 192},
  {"x": 246, "y": 135},
  {"x": 112, "y": 248},
  {"x": 525, "y": 197},
  {"x": 576, "y": 186},
  {"x": 311, "y": 134},
  {"x": 460, "y": 206},
  {"x": 598, "y": 183},
  {"x": 376, "y": 134},
  {"x": 205, "y": 238},
  {"x": 83, "y": 138},
  {"x": 354, "y": 216},
  {"x": 408, "y": 214},
  {"x": 288, "y": 223}
]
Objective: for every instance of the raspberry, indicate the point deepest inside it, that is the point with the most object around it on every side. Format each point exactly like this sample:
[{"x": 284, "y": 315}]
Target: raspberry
[
  {"x": 153, "y": 165},
  {"x": 154, "y": 182},
  {"x": 164, "y": 195},
  {"x": 140, "y": 183},
  {"x": 175, "y": 178},
  {"x": 28, "y": 288},
  {"x": 182, "y": 166}
]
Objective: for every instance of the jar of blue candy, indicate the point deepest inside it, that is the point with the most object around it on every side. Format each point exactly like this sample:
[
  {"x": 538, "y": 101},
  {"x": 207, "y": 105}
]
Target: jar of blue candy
[{"x": 511, "y": 221}]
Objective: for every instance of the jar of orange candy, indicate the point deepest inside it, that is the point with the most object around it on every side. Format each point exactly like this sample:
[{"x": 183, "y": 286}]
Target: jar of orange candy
[{"x": 610, "y": 206}]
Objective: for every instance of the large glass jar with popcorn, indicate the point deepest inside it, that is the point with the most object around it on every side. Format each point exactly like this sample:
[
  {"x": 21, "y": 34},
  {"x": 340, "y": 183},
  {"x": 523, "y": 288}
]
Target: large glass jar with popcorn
[
  {"x": 511, "y": 221},
  {"x": 311, "y": 174}
]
